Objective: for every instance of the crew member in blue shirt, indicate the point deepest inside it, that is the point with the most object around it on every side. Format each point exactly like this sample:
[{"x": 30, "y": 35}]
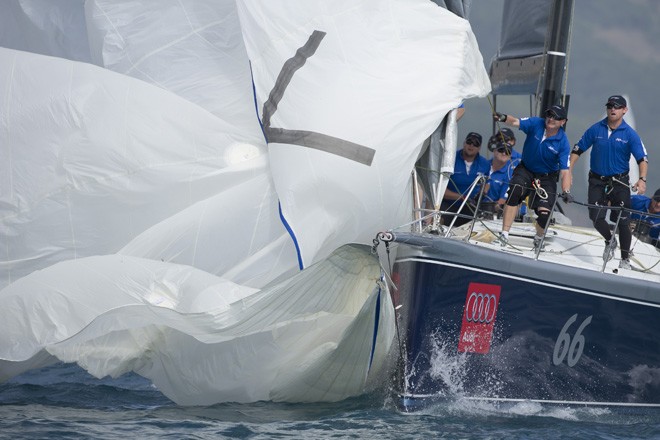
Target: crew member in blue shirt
[
  {"x": 505, "y": 135},
  {"x": 501, "y": 170},
  {"x": 612, "y": 141},
  {"x": 545, "y": 158},
  {"x": 651, "y": 206},
  {"x": 468, "y": 166}
]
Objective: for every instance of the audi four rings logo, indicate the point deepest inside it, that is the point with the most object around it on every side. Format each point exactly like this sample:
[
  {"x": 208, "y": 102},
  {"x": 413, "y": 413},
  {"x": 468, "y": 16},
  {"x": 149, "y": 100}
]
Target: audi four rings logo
[{"x": 481, "y": 307}]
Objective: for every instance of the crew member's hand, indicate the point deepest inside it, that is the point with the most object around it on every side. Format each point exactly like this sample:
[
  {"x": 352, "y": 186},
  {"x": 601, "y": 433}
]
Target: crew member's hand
[
  {"x": 640, "y": 186},
  {"x": 567, "y": 197},
  {"x": 500, "y": 117}
]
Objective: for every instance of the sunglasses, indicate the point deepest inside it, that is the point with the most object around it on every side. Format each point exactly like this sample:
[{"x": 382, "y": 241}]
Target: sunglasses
[
  {"x": 473, "y": 142},
  {"x": 614, "y": 106},
  {"x": 504, "y": 151},
  {"x": 553, "y": 115}
]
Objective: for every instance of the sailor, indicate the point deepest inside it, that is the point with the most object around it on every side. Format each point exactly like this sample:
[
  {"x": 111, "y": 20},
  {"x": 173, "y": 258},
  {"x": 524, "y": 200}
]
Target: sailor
[
  {"x": 468, "y": 166},
  {"x": 504, "y": 134},
  {"x": 649, "y": 205},
  {"x": 613, "y": 141},
  {"x": 545, "y": 157},
  {"x": 501, "y": 170}
]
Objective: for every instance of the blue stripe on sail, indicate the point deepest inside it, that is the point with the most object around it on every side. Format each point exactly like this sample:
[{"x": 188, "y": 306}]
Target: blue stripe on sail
[
  {"x": 256, "y": 108},
  {"x": 286, "y": 224},
  {"x": 377, "y": 320},
  {"x": 293, "y": 236}
]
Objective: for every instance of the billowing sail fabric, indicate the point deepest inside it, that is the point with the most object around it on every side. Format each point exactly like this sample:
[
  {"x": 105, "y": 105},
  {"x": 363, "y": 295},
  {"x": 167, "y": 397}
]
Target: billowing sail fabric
[
  {"x": 146, "y": 160},
  {"x": 145, "y": 223},
  {"x": 410, "y": 61},
  {"x": 94, "y": 162},
  {"x": 199, "y": 338}
]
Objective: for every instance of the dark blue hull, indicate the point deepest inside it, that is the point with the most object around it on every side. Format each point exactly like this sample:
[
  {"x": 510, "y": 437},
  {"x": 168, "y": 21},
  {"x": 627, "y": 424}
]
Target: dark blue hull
[{"x": 481, "y": 324}]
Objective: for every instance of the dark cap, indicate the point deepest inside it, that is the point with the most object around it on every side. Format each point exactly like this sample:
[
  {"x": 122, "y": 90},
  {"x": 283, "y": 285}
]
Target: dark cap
[
  {"x": 656, "y": 196},
  {"x": 558, "y": 110},
  {"x": 496, "y": 141},
  {"x": 508, "y": 133},
  {"x": 475, "y": 138},
  {"x": 617, "y": 100}
]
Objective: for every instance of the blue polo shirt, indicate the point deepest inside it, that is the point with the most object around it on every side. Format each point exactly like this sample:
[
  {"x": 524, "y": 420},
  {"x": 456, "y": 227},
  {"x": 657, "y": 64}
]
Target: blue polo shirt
[
  {"x": 642, "y": 203},
  {"x": 499, "y": 182},
  {"x": 611, "y": 154},
  {"x": 547, "y": 156},
  {"x": 461, "y": 180}
]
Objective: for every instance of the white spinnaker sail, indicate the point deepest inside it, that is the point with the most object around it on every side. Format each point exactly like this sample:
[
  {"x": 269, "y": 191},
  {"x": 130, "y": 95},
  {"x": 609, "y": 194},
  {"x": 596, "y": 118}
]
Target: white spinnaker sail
[
  {"x": 93, "y": 161},
  {"x": 120, "y": 175},
  {"x": 319, "y": 73},
  {"x": 199, "y": 338}
]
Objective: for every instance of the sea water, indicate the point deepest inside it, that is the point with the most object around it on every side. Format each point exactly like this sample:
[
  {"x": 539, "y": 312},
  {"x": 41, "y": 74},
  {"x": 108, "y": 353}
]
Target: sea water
[{"x": 64, "y": 402}]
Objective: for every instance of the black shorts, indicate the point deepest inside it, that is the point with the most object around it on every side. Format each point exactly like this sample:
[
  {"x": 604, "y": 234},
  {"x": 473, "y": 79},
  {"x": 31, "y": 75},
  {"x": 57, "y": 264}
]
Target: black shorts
[{"x": 520, "y": 186}]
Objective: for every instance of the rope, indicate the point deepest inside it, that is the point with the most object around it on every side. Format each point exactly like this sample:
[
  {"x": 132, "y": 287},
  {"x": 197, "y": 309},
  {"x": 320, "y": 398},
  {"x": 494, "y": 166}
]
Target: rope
[
  {"x": 536, "y": 184},
  {"x": 499, "y": 127},
  {"x": 632, "y": 187}
]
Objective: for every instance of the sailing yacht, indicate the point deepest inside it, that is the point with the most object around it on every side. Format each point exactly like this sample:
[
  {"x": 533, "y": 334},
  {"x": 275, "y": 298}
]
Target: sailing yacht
[{"x": 511, "y": 322}]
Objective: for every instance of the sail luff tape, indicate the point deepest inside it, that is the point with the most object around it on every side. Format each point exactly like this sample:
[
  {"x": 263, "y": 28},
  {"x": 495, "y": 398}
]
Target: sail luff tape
[{"x": 559, "y": 54}]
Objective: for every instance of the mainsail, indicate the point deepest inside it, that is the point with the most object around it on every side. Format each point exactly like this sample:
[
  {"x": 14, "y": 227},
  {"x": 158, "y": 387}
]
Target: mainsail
[
  {"x": 162, "y": 186},
  {"x": 532, "y": 55}
]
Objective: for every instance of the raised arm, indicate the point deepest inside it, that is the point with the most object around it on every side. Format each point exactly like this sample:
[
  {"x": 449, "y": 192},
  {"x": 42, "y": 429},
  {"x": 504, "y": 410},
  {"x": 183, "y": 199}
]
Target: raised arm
[{"x": 507, "y": 119}]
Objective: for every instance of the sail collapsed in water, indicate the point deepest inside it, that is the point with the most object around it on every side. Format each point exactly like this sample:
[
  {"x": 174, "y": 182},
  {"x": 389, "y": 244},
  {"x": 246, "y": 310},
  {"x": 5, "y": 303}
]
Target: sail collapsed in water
[
  {"x": 202, "y": 339},
  {"x": 162, "y": 185}
]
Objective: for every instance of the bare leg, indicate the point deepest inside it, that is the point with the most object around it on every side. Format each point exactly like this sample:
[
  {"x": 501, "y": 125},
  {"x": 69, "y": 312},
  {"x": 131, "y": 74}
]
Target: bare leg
[{"x": 508, "y": 216}]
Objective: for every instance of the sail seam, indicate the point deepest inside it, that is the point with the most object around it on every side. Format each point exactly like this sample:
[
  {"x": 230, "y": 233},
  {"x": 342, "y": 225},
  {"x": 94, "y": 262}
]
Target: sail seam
[{"x": 310, "y": 139}]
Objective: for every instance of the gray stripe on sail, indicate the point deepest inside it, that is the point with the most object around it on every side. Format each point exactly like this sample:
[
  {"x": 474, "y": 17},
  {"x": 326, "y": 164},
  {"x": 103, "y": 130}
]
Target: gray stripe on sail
[
  {"x": 310, "y": 139},
  {"x": 318, "y": 141},
  {"x": 290, "y": 67}
]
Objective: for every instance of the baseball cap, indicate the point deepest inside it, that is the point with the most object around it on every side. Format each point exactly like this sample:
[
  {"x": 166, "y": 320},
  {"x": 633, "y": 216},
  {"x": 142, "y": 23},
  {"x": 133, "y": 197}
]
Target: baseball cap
[
  {"x": 495, "y": 142},
  {"x": 656, "y": 196},
  {"x": 558, "y": 110},
  {"x": 475, "y": 138},
  {"x": 508, "y": 133},
  {"x": 617, "y": 100}
]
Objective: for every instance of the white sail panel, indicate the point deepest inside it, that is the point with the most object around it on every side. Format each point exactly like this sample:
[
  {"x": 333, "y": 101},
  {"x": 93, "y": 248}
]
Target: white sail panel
[
  {"x": 347, "y": 93},
  {"x": 192, "y": 48},
  {"x": 91, "y": 159}
]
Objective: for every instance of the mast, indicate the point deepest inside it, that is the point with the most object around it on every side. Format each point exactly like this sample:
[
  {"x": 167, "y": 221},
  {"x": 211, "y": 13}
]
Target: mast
[
  {"x": 532, "y": 55},
  {"x": 557, "y": 42}
]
